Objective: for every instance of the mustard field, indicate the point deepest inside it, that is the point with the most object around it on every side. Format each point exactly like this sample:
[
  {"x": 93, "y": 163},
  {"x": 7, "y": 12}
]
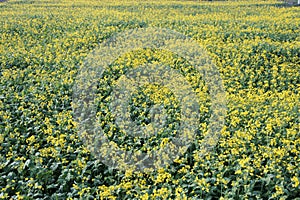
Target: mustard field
[{"x": 47, "y": 152}]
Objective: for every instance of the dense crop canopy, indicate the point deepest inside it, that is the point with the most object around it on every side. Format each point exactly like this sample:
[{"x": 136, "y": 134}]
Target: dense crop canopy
[{"x": 255, "y": 46}]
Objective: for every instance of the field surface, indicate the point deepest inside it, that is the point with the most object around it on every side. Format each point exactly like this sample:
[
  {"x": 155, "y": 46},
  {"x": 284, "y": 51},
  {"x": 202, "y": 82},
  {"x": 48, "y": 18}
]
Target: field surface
[{"x": 255, "y": 46}]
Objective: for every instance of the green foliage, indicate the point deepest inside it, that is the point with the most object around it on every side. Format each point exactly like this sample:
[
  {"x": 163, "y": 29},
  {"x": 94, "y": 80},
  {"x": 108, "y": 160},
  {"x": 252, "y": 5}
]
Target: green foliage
[{"x": 256, "y": 47}]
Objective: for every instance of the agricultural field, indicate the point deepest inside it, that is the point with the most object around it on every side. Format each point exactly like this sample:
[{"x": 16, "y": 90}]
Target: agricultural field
[{"x": 255, "y": 47}]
